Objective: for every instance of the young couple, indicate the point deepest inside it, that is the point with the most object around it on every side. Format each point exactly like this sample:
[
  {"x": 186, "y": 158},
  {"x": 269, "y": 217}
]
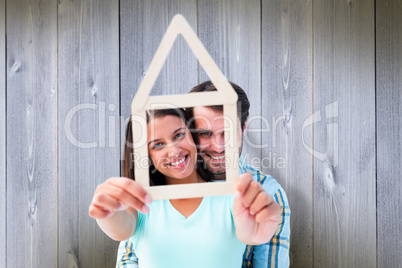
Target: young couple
[{"x": 196, "y": 232}]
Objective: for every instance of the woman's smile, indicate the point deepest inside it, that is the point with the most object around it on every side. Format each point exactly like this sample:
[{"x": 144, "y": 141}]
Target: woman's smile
[
  {"x": 172, "y": 149},
  {"x": 179, "y": 162}
]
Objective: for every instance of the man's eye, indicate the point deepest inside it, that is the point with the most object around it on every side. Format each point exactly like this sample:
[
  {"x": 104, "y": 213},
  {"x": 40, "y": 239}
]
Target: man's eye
[{"x": 205, "y": 134}]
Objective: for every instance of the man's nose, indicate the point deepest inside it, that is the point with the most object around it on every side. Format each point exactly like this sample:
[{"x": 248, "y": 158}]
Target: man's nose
[{"x": 218, "y": 143}]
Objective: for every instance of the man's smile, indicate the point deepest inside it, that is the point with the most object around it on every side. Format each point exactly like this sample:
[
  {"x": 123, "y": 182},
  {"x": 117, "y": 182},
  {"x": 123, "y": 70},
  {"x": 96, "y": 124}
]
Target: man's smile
[{"x": 215, "y": 157}]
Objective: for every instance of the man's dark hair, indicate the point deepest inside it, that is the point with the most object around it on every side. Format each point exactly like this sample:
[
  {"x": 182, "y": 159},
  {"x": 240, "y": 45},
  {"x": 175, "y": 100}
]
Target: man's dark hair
[{"x": 243, "y": 105}]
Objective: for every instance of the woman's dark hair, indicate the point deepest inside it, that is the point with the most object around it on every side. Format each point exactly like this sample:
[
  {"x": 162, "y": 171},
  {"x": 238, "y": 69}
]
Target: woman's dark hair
[{"x": 157, "y": 178}]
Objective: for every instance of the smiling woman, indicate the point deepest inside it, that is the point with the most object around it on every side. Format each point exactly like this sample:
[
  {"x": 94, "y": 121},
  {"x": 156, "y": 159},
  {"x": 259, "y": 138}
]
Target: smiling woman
[{"x": 171, "y": 148}]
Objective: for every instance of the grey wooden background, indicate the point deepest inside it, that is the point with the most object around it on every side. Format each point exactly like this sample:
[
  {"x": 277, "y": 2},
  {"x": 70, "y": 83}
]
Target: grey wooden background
[{"x": 324, "y": 79}]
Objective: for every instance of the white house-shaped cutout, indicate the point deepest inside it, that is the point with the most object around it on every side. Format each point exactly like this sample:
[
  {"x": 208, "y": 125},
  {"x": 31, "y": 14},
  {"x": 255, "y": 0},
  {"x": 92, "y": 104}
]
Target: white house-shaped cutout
[{"x": 225, "y": 95}]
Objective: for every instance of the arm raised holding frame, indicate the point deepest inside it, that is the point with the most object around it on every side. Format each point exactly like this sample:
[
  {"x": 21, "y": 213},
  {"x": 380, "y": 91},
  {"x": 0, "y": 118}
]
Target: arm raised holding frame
[{"x": 115, "y": 205}]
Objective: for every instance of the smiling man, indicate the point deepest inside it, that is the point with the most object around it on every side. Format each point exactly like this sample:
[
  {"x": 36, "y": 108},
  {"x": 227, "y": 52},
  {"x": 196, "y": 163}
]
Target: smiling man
[
  {"x": 209, "y": 124},
  {"x": 211, "y": 139}
]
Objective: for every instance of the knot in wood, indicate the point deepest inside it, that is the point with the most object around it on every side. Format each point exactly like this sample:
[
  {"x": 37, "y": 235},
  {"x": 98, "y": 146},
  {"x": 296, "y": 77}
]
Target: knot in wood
[{"x": 16, "y": 67}]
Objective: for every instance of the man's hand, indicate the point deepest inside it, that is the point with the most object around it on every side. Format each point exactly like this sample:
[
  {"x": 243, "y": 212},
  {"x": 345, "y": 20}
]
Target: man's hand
[{"x": 255, "y": 212}]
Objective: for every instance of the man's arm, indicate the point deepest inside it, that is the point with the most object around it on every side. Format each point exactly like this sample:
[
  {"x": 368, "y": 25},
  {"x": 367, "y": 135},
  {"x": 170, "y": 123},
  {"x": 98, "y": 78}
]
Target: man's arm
[
  {"x": 256, "y": 215},
  {"x": 125, "y": 255},
  {"x": 276, "y": 252}
]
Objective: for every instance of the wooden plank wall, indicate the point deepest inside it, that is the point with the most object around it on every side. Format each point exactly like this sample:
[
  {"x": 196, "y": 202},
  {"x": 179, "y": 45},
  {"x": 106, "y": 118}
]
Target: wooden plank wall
[
  {"x": 3, "y": 126},
  {"x": 389, "y": 132},
  {"x": 344, "y": 165},
  {"x": 138, "y": 46},
  {"x": 287, "y": 103},
  {"x": 323, "y": 78},
  {"x": 89, "y": 105},
  {"x": 31, "y": 133},
  {"x": 236, "y": 50}
]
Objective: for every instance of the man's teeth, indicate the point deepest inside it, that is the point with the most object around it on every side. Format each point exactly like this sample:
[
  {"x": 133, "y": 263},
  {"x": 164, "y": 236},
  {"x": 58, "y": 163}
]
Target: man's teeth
[
  {"x": 218, "y": 157},
  {"x": 178, "y": 162}
]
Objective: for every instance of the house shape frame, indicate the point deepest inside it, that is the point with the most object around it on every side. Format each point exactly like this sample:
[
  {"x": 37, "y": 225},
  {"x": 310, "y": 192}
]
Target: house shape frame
[{"x": 225, "y": 95}]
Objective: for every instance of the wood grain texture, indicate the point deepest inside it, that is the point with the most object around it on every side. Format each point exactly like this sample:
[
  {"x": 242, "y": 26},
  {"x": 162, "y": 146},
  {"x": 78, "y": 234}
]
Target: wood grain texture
[
  {"x": 286, "y": 104},
  {"x": 88, "y": 125},
  {"x": 318, "y": 111},
  {"x": 31, "y": 133},
  {"x": 142, "y": 26},
  {"x": 3, "y": 127},
  {"x": 389, "y": 132},
  {"x": 230, "y": 31},
  {"x": 344, "y": 138}
]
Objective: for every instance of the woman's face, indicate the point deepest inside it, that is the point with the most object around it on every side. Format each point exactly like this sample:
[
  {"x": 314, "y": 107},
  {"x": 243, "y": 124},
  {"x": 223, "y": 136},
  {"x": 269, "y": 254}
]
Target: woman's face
[{"x": 171, "y": 147}]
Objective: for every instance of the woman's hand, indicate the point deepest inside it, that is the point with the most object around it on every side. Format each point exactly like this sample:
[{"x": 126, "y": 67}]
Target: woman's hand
[
  {"x": 115, "y": 205},
  {"x": 118, "y": 194},
  {"x": 256, "y": 214}
]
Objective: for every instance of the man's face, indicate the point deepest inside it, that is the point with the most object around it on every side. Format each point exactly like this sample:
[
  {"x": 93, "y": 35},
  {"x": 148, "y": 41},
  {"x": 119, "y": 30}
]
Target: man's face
[{"x": 209, "y": 124}]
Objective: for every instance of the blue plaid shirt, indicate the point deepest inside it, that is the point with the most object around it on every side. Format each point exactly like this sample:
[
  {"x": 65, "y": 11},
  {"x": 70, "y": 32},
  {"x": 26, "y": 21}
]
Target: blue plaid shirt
[{"x": 275, "y": 253}]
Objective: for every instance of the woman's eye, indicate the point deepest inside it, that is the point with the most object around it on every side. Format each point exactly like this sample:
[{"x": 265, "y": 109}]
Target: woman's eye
[
  {"x": 179, "y": 135},
  {"x": 157, "y": 145}
]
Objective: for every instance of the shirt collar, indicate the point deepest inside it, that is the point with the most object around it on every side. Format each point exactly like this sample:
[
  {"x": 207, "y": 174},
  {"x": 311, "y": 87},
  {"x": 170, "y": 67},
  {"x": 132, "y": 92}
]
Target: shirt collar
[{"x": 242, "y": 165}]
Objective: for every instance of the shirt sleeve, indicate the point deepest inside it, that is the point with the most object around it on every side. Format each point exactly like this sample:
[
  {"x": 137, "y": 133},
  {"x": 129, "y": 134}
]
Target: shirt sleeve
[
  {"x": 276, "y": 252},
  {"x": 125, "y": 255}
]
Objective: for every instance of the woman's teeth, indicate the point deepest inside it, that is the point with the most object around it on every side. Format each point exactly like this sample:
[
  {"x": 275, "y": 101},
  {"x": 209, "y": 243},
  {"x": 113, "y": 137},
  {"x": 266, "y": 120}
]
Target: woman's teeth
[{"x": 178, "y": 162}]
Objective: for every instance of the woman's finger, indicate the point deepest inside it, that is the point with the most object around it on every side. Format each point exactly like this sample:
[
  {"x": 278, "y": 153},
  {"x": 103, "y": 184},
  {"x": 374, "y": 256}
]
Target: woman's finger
[
  {"x": 98, "y": 212},
  {"x": 132, "y": 187},
  {"x": 105, "y": 201},
  {"x": 123, "y": 197}
]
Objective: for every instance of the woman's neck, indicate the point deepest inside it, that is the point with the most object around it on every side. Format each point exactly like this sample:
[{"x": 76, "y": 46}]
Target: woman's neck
[{"x": 193, "y": 178}]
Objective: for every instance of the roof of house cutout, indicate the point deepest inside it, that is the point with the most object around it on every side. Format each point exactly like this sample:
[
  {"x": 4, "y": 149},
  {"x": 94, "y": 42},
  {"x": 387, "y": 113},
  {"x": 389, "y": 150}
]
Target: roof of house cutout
[{"x": 225, "y": 95}]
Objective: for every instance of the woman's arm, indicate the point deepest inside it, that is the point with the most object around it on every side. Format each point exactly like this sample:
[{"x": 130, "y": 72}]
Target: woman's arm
[
  {"x": 121, "y": 225},
  {"x": 256, "y": 215},
  {"x": 115, "y": 205}
]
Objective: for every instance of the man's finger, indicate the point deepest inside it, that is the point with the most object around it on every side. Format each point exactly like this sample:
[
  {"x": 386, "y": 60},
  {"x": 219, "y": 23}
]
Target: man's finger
[
  {"x": 243, "y": 183},
  {"x": 251, "y": 193},
  {"x": 270, "y": 213},
  {"x": 262, "y": 200}
]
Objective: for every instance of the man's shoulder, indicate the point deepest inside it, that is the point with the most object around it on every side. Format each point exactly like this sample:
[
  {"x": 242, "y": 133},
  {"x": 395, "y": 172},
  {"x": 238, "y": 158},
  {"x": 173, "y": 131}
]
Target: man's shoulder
[{"x": 268, "y": 182}]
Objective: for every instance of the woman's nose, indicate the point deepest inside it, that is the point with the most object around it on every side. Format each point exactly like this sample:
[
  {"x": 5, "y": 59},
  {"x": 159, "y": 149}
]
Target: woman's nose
[{"x": 174, "y": 150}]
